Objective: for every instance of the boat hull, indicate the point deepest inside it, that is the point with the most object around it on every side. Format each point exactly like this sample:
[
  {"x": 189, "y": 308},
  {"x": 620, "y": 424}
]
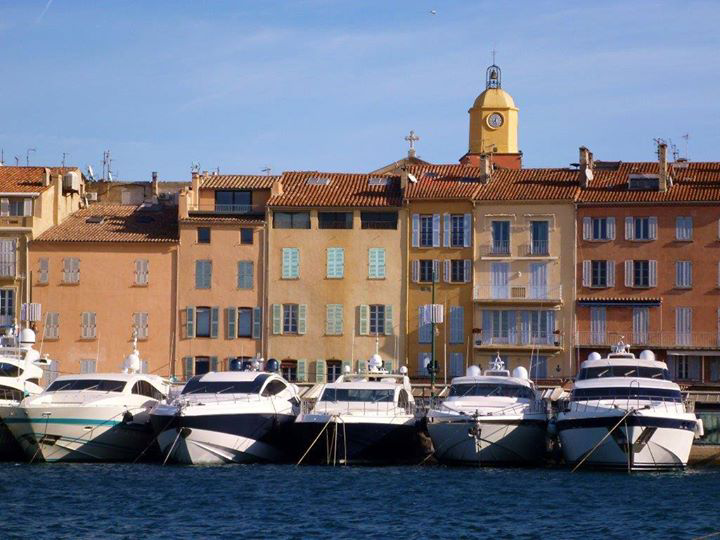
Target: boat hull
[
  {"x": 9, "y": 448},
  {"x": 641, "y": 442}
]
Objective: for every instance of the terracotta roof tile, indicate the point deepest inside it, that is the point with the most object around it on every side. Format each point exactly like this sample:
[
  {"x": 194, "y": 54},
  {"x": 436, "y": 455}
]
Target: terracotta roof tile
[
  {"x": 27, "y": 179},
  {"x": 239, "y": 220},
  {"x": 303, "y": 189},
  {"x": 120, "y": 223},
  {"x": 443, "y": 182},
  {"x": 238, "y": 181}
]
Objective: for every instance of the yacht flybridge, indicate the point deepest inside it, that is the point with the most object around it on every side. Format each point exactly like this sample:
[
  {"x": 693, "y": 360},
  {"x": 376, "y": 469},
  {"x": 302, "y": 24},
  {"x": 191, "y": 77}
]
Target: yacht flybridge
[
  {"x": 490, "y": 418},
  {"x": 20, "y": 374},
  {"x": 360, "y": 418},
  {"x": 228, "y": 417},
  {"x": 625, "y": 412},
  {"x": 90, "y": 417}
]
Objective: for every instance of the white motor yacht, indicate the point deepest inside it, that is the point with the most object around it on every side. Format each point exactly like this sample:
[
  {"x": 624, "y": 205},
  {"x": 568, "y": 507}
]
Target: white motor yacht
[
  {"x": 228, "y": 417},
  {"x": 360, "y": 418},
  {"x": 20, "y": 374},
  {"x": 625, "y": 412},
  {"x": 490, "y": 418},
  {"x": 90, "y": 417}
]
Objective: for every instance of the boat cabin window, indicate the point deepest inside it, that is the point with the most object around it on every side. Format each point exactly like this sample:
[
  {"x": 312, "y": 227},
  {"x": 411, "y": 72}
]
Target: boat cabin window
[
  {"x": 627, "y": 392},
  {"x": 75, "y": 385},
  {"x": 491, "y": 389},
  {"x": 144, "y": 388},
  {"x": 9, "y": 370},
  {"x": 403, "y": 400},
  {"x": 624, "y": 371},
  {"x": 196, "y": 386},
  {"x": 14, "y": 394},
  {"x": 358, "y": 394},
  {"x": 273, "y": 388}
]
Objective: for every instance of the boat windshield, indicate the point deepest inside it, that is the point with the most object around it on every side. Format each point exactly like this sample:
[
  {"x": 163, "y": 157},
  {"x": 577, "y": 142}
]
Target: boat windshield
[
  {"x": 372, "y": 395},
  {"x": 9, "y": 370},
  {"x": 491, "y": 389},
  {"x": 627, "y": 392},
  {"x": 74, "y": 385},
  {"x": 624, "y": 371},
  {"x": 13, "y": 394},
  {"x": 196, "y": 386}
]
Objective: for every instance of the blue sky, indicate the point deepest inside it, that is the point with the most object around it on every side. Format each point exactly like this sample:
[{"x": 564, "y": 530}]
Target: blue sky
[{"x": 335, "y": 86}]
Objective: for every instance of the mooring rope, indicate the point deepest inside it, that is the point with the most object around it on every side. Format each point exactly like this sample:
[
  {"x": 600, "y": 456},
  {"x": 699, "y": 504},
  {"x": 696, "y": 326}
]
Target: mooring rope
[
  {"x": 603, "y": 439},
  {"x": 316, "y": 439}
]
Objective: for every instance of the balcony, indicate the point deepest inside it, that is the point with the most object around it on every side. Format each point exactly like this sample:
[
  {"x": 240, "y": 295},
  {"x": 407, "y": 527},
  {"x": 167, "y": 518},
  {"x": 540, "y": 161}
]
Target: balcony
[
  {"x": 543, "y": 343},
  {"x": 518, "y": 294},
  {"x": 537, "y": 248},
  {"x": 497, "y": 249},
  {"x": 228, "y": 209},
  {"x": 658, "y": 340},
  {"x": 14, "y": 222}
]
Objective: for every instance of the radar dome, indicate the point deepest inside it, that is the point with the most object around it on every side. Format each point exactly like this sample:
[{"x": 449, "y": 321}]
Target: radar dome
[
  {"x": 594, "y": 356},
  {"x": 647, "y": 355},
  {"x": 27, "y": 336},
  {"x": 473, "y": 371},
  {"x": 346, "y": 369},
  {"x": 520, "y": 373},
  {"x": 272, "y": 365},
  {"x": 403, "y": 370},
  {"x": 132, "y": 362},
  {"x": 375, "y": 361}
]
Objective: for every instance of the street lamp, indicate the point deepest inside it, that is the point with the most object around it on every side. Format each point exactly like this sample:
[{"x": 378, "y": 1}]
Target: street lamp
[{"x": 432, "y": 366}]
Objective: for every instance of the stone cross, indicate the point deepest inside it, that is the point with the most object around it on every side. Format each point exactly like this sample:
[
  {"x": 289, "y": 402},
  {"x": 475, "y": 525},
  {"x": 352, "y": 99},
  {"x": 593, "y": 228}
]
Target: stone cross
[{"x": 411, "y": 139}]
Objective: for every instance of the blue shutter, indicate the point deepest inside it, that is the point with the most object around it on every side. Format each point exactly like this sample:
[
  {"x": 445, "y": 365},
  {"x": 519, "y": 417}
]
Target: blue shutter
[
  {"x": 467, "y": 230},
  {"x": 190, "y": 322},
  {"x": 415, "y": 230},
  {"x": 214, "y": 316},
  {"x": 486, "y": 327},
  {"x": 230, "y": 314},
  {"x": 551, "y": 327},
  {"x": 245, "y": 275},
  {"x": 446, "y": 230},
  {"x": 257, "y": 323},
  {"x": 436, "y": 230},
  {"x": 525, "y": 328}
]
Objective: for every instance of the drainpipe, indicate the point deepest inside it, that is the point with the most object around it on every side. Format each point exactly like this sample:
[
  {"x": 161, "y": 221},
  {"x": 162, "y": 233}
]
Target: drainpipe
[{"x": 265, "y": 341}]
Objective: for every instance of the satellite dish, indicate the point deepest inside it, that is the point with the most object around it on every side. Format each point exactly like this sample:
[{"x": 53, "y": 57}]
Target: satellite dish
[
  {"x": 91, "y": 173},
  {"x": 412, "y": 178}
]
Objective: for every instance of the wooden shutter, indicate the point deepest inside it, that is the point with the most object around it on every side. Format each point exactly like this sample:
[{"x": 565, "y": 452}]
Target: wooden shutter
[
  {"x": 213, "y": 363},
  {"x": 446, "y": 264},
  {"x": 214, "y": 321},
  {"x": 364, "y": 319},
  {"x": 587, "y": 273},
  {"x": 230, "y": 316},
  {"x": 277, "y": 322},
  {"x": 587, "y": 228},
  {"x": 467, "y": 230},
  {"x": 415, "y": 230},
  {"x": 330, "y": 319},
  {"x": 388, "y": 320},
  {"x": 436, "y": 230},
  {"x": 653, "y": 273},
  {"x": 610, "y": 273},
  {"x": 27, "y": 207},
  {"x": 257, "y": 323},
  {"x": 446, "y": 230},
  {"x": 629, "y": 226},
  {"x": 301, "y": 368},
  {"x": 302, "y": 319},
  {"x": 4, "y": 207},
  {"x": 190, "y": 322},
  {"x": 652, "y": 226},
  {"x": 389, "y": 364},
  {"x": 188, "y": 366},
  {"x": 415, "y": 271},
  {"x": 436, "y": 271},
  {"x": 320, "y": 371},
  {"x": 629, "y": 273},
  {"x": 611, "y": 228},
  {"x": 467, "y": 270},
  {"x": 43, "y": 270}
]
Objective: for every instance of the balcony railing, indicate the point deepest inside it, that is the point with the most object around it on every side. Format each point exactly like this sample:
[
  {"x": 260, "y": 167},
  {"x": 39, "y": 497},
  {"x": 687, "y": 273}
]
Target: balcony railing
[
  {"x": 499, "y": 247},
  {"x": 520, "y": 339},
  {"x": 518, "y": 293},
  {"x": 211, "y": 208},
  {"x": 16, "y": 221},
  {"x": 679, "y": 340},
  {"x": 538, "y": 248}
]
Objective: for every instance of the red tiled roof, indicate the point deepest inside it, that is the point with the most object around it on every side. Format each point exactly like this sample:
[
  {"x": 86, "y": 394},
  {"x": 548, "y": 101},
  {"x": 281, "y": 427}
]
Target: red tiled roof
[
  {"x": 239, "y": 220},
  {"x": 343, "y": 190},
  {"x": 443, "y": 182},
  {"x": 120, "y": 223},
  {"x": 27, "y": 179},
  {"x": 237, "y": 181}
]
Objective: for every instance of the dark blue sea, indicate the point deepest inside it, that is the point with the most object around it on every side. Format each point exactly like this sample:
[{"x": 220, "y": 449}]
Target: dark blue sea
[{"x": 268, "y": 501}]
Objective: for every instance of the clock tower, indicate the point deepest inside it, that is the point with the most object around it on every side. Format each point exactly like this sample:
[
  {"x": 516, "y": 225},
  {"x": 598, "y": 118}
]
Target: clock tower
[{"x": 494, "y": 124}]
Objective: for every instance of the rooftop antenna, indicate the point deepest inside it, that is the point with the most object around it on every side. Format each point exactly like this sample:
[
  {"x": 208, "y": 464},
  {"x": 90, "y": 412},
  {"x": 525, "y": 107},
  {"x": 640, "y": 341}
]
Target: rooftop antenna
[
  {"x": 17, "y": 161},
  {"x": 107, "y": 164},
  {"x": 91, "y": 173},
  {"x": 687, "y": 138},
  {"x": 411, "y": 138},
  {"x": 65, "y": 154},
  {"x": 674, "y": 150},
  {"x": 27, "y": 155},
  {"x": 2, "y": 156},
  {"x": 195, "y": 167},
  {"x": 267, "y": 170}
]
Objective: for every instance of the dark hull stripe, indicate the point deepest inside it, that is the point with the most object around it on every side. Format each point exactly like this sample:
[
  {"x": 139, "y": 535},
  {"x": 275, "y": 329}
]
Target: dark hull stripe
[
  {"x": 632, "y": 420},
  {"x": 491, "y": 420}
]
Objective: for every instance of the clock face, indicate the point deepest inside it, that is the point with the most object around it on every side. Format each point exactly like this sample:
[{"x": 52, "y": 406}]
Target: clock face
[{"x": 495, "y": 120}]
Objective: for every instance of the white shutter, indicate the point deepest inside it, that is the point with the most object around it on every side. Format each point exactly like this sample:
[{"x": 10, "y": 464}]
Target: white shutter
[
  {"x": 587, "y": 228},
  {"x": 611, "y": 228},
  {"x": 415, "y": 270},
  {"x": 467, "y": 230},
  {"x": 629, "y": 273},
  {"x": 364, "y": 320},
  {"x": 330, "y": 319},
  {"x": 446, "y": 230},
  {"x": 629, "y": 226},
  {"x": 415, "y": 230},
  {"x": 27, "y": 207},
  {"x": 446, "y": 264},
  {"x": 436, "y": 230},
  {"x": 302, "y": 319},
  {"x": 277, "y": 322},
  {"x": 388, "y": 320},
  {"x": 652, "y": 227},
  {"x": 610, "y": 273},
  {"x": 587, "y": 273},
  {"x": 468, "y": 270},
  {"x": 4, "y": 207},
  {"x": 436, "y": 271},
  {"x": 653, "y": 273}
]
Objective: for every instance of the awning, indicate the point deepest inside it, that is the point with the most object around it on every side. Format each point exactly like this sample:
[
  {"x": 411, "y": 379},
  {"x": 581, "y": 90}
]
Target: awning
[
  {"x": 692, "y": 352},
  {"x": 619, "y": 302}
]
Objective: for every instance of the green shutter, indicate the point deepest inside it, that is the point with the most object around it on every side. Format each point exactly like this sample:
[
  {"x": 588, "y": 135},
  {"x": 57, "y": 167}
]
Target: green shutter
[
  {"x": 230, "y": 314},
  {"x": 346, "y": 364},
  {"x": 364, "y": 320},
  {"x": 380, "y": 263},
  {"x": 295, "y": 262},
  {"x": 330, "y": 319},
  {"x": 389, "y": 364},
  {"x": 339, "y": 262},
  {"x": 302, "y": 319},
  {"x": 388, "y": 320},
  {"x": 338, "y": 319},
  {"x": 213, "y": 363},
  {"x": 214, "y": 322},
  {"x": 301, "y": 370},
  {"x": 376, "y": 263},
  {"x": 277, "y": 318},
  {"x": 187, "y": 367},
  {"x": 290, "y": 263},
  {"x": 257, "y": 323},
  {"x": 361, "y": 366},
  {"x": 190, "y": 322},
  {"x": 320, "y": 371}
]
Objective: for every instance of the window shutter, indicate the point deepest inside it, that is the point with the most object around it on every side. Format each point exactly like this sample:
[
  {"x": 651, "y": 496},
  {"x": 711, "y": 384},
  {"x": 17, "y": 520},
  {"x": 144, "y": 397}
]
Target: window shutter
[
  {"x": 467, "y": 270},
  {"x": 652, "y": 226},
  {"x": 302, "y": 318},
  {"x": 43, "y": 270},
  {"x": 339, "y": 262},
  {"x": 629, "y": 277},
  {"x": 190, "y": 322},
  {"x": 436, "y": 230},
  {"x": 629, "y": 226},
  {"x": 364, "y": 320},
  {"x": 277, "y": 326},
  {"x": 85, "y": 324},
  {"x": 214, "y": 321},
  {"x": 330, "y": 319},
  {"x": 4, "y": 207},
  {"x": 415, "y": 230},
  {"x": 230, "y": 315},
  {"x": 467, "y": 230},
  {"x": 587, "y": 228},
  {"x": 653, "y": 273},
  {"x": 415, "y": 266},
  {"x": 587, "y": 273},
  {"x": 301, "y": 370},
  {"x": 187, "y": 367},
  {"x": 320, "y": 370},
  {"x": 436, "y": 271},
  {"x": 257, "y": 323},
  {"x": 512, "y": 333},
  {"x": 285, "y": 263},
  {"x": 446, "y": 264},
  {"x": 380, "y": 262},
  {"x": 610, "y": 273},
  {"x": 388, "y": 320},
  {"x": 213, "y": 363},
  {"x": 372, "y": 263},
  {"x": 611, "y": 228},
  {"x": 361, "y": 366},
  {"x": 446, "y": 230},
  {"x": 27, "y": 207}
]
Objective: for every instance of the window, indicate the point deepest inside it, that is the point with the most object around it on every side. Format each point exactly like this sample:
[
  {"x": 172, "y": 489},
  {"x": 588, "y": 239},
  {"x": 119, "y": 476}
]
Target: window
[
  {"x": 539, "y": 238},
  {"x": 538, "y": 280},
  {"x": 71, "y": 270},
  {"x": 335, "y": 263},
  {"x": 683, "y": 326},
  {"x": 599, "y": 274},
  {"x": 202, "y": 365},
  {"x": 684, "y": 228},
  {"x": 457, "y": 271},
  {"x": 500, "y": 272},
  {"x": 334, "y": 319},
  {"x": 245, "y": 278},
  {"x": 541, "y": 327},
  {"x": 600, "y": 229},
  {"x": 500, "y": 326},
  {"x": 89, "y": 366},
  {"x": 290, "y": 263},
  {"x": 291, "y": 220},
  {"x": 289, "y": 371},
  {"x": 500, "y": 237},
  {"x": 457, "y": 230},
  {"x": 290, "y": 318},
  {"x": 641, "y": 316},
  {"x": 377, "y": 319},
  {"x": 425, "y": 323},
  {"x": 335, "y": 220},
  {"x": 246, "y": 236},
  {"x": 52, "y": 325},
  {"x": 641, "y": 273},
  {"x": 7, "y": 307},
  {"x": 683, "y": 274},
  {"x": 88, "y": 325},
  {"x": 43, "y": 270},
  {"x": 457, "y": 325},
  {"x": 140, "y": 325},
  {"x": 376, "y": 263},
  {"x": 16, "y": 207},
  {"x": 378, "y": 220},
  {"x": 202, "y": 321},
  {"x": 457, "y": 364},
  {"x": 426, "y": 270},
  {"x": 426, "y": 230},
  {"x": 203, "y": 274},
  {"x": 233, "y": 201},
  {"x": 273, "y": 388},
  {"x": 245, "y": 322},
  {"x": 203, "y": 235},
  {"x": 597, "y": 325},
  {"x": 641, "y": 229},
  {"x": 334, "y": 370},
  {"x": 141, "y": 272},
  {"x": 7, "y": 257},
  {"x": 144, "y": 388}
]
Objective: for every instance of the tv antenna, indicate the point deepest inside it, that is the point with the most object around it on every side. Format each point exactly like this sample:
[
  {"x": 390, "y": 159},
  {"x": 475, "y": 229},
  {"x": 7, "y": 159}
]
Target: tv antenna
[
  {"x": 17, "y": 161},
  {"x": 27, "y": 155},
  {"x": 107, "y": 166},
  {"x": 195, "y": 167},
  {"x": 687, "y": 138},
  {"x": 267, "y": 170},
  {"x": 65, "y": 154}
]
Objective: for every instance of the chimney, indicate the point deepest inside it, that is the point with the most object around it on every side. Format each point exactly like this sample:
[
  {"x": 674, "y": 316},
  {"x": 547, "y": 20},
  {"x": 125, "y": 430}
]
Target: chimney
[
  {"x": 277, "y": 188},
  {"x": 155, "y": 190},
  {"x": 586, "y": 167},
  {"x": 46, "y": 180},
  {"x": 487, "y": 167},
  {"x": 664, "y": 179}
]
